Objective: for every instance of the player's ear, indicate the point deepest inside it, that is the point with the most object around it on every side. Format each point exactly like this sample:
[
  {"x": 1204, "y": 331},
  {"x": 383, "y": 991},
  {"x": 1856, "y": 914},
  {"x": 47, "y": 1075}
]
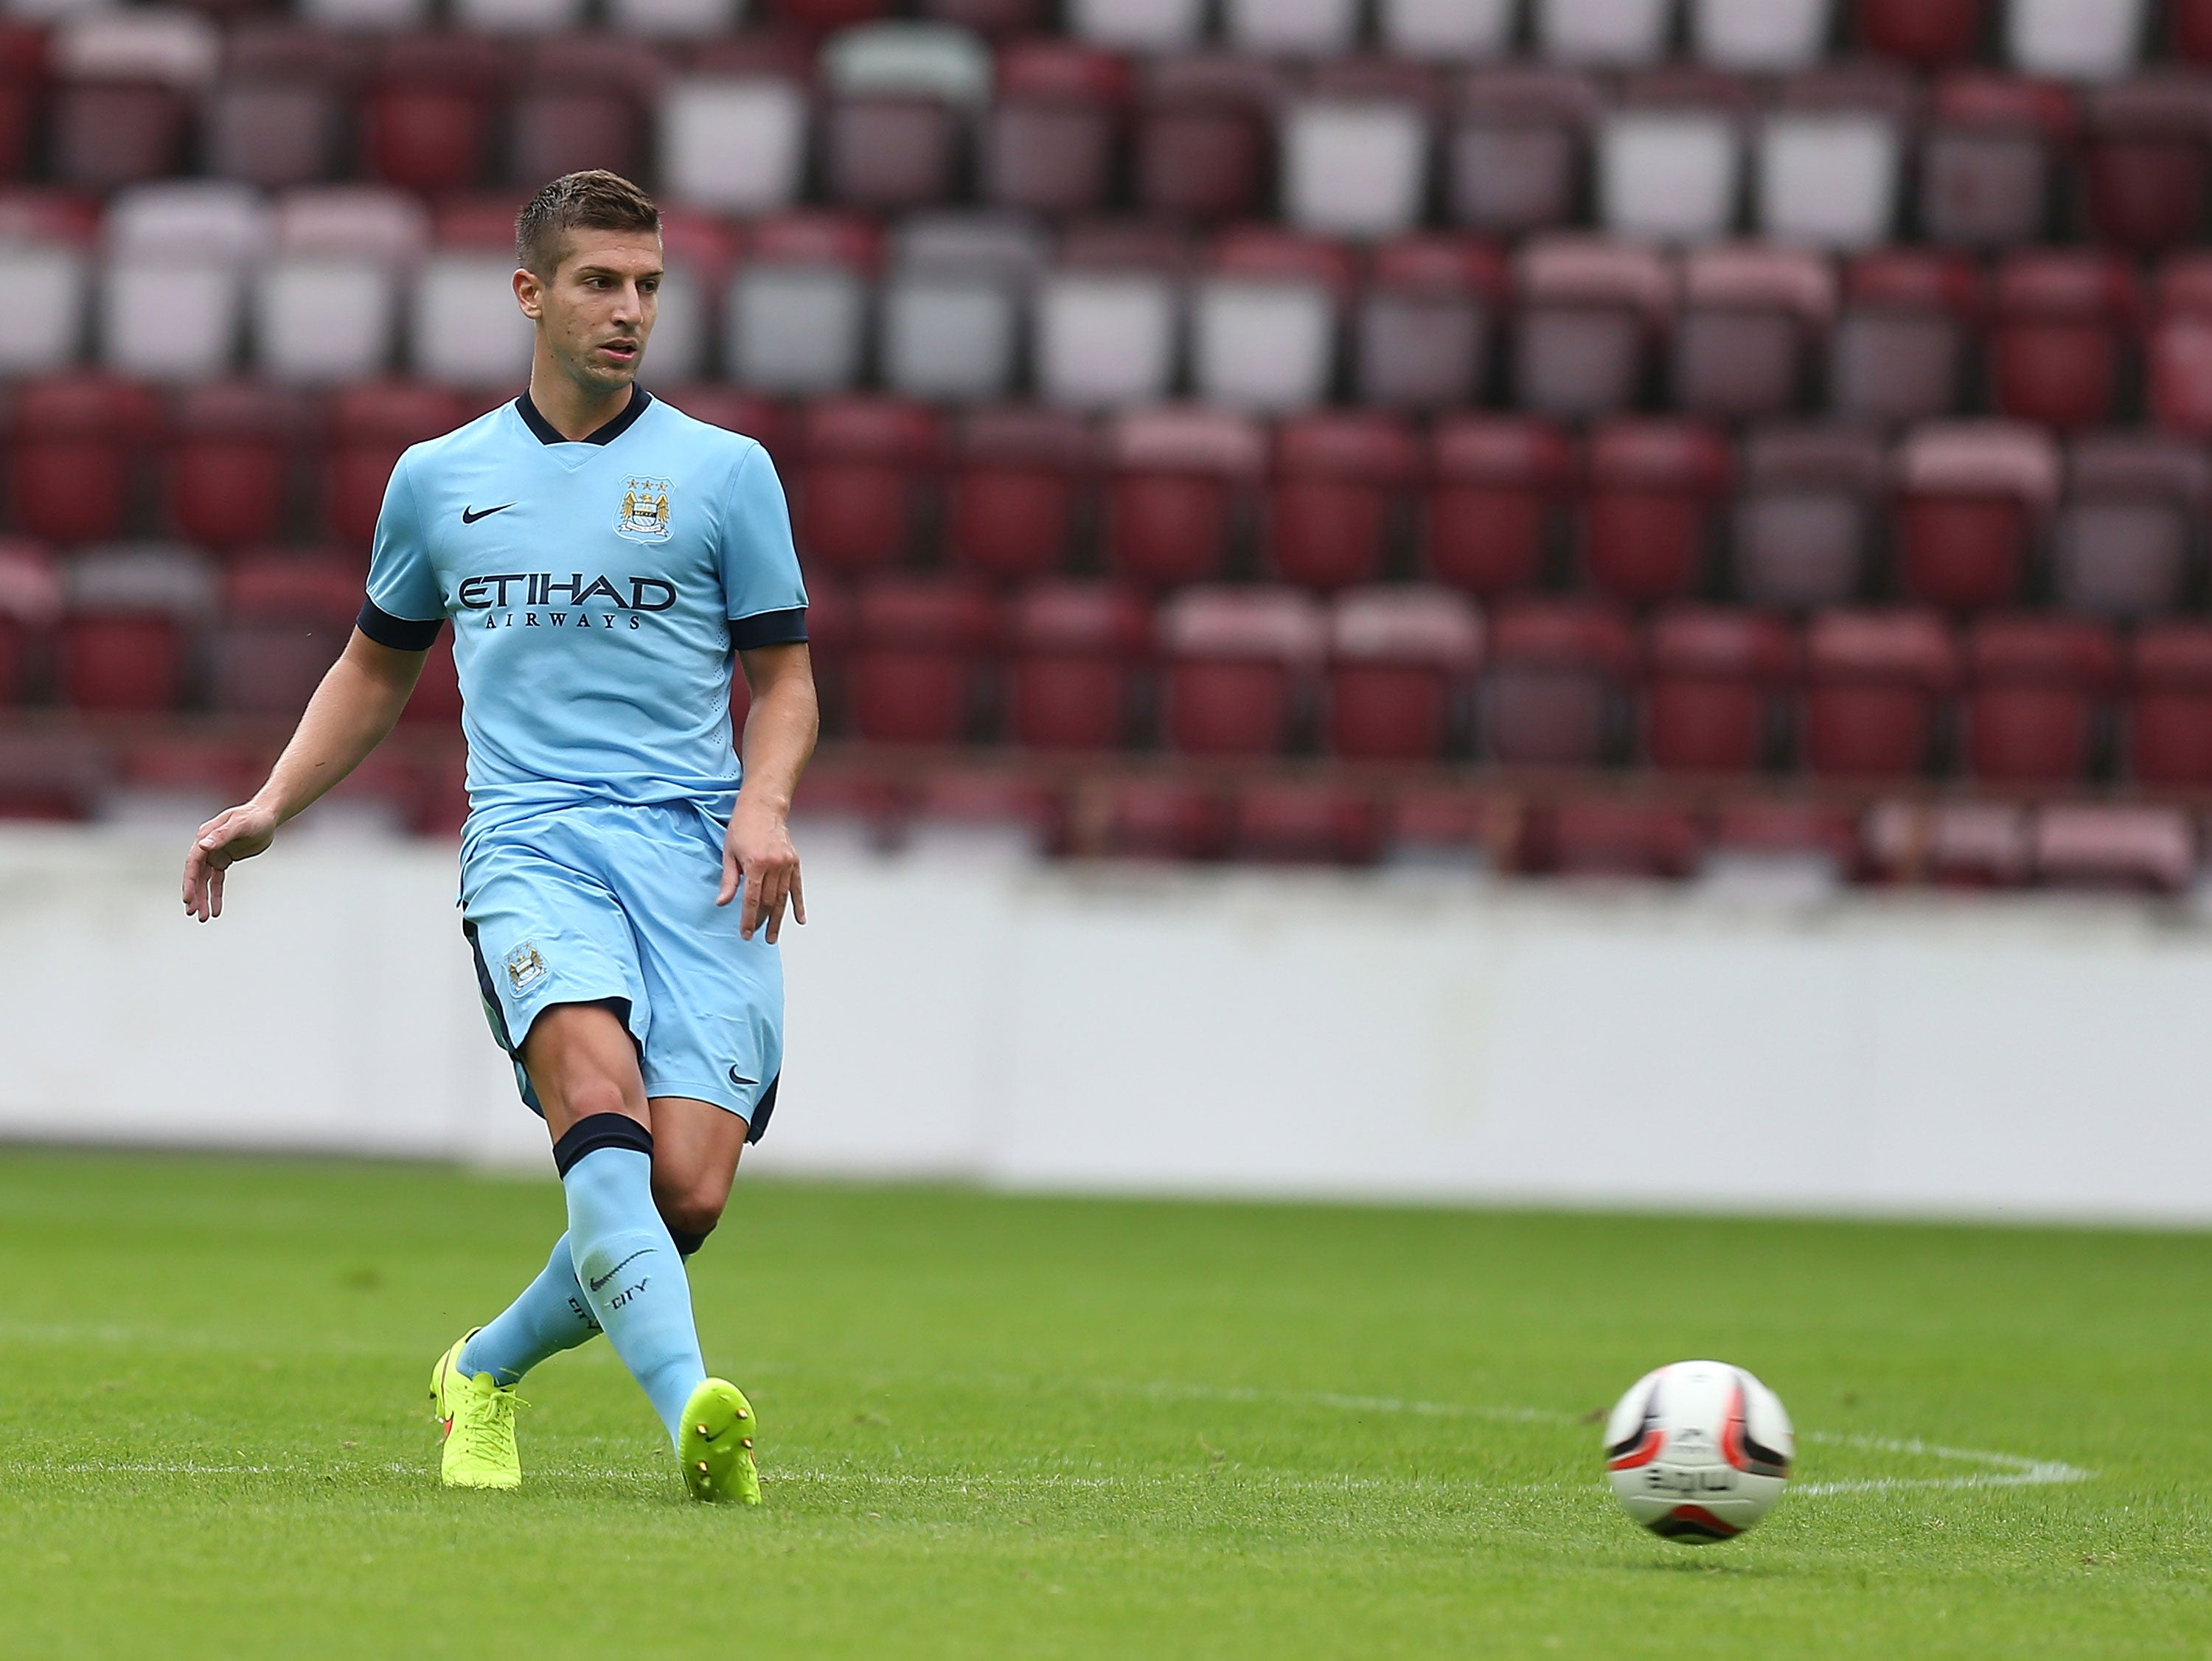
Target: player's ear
[{"x": 529, "y": 293}]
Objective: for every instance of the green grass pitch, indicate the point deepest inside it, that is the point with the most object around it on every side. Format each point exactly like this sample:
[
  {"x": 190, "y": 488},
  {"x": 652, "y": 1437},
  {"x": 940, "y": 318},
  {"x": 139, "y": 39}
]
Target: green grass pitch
[{"x": 1038, "y": 1428}]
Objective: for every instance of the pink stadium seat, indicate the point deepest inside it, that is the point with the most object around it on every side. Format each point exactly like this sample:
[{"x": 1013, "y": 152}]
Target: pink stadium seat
[
  {"x": 1240, "y": 664},
  {"x": 1873, "y": 680},
  {"x": 1399, "y": 658},
  {"x": 923, "y": 647},
  {"x": 865, "y": 465},
  {"x": 2146, "y": 165},
  {"x": 1156, "y": 816},
  {"x": 1986, "y": 165},
  {"x": 1204, "y": 146},
  {"x": 2122, "y": 544},
  {"x": 1049, "y": 143},
  {"x": 1518, "y": 150},
  {"x": 1179, "y": 478},
  {"x": 1648, "y": 515},
  {"x": 1965, "y": 844},
  {"x": 102, "y": 134},
  {"x": 370, "y": 424},
  {"x": 1553, "y": 684},
  {"x": 426, "y": 120},
  {"x": 1338, "y": 480},
  {"x": 1900, "y": 345},
  {"x": 2180, "y": 346},
  {"x": 1283, "y": 822},
  {"x": 1973, "y": 496},
  {"x": 2056, "y": 352},
  {"x": 1615, "y": 836},
  {"x": 1805, "y": 521},
  {"x": 285, "y": 619},
  {"x": 277, "y": 118},
  {"x": 30, "y": 605},
  {"x": 230, "y": 455},
  {"x": 76, "y": 445},
  {"x": 1013, "y": 491},
  {"x": 1424, "y": 322},
  {"x": 1924, "y": 32},
  {"x": 1712, "y": 687},
  {"x": 1750, "y": 318},
  {"x": 1496, "y": 482},
  {"x": 2092, "y": 845},
  {"x": 2034, "y": 685},
  {"x": 889, "y": 153},
  {"x": 1590, "y": 312},
  {"x": 2169, "y": 725},
  {"x": 580, "y": 103},
  {"x": 1077, "y": 650}
]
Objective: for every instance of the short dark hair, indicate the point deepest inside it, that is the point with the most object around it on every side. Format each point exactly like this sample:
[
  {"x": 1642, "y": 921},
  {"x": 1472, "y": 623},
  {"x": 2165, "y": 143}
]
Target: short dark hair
[{"x": 595, "y": 200}]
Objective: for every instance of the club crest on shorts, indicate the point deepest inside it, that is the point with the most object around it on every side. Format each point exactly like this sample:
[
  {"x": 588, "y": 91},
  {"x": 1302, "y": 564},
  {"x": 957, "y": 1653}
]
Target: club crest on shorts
[
  {"x": 525, "y": 967},
  {"x": 644, "y": 511}
]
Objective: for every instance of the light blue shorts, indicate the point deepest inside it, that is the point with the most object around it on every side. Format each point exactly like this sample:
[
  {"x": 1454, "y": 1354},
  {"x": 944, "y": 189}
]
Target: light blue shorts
[{"x": 607, "y": 904}]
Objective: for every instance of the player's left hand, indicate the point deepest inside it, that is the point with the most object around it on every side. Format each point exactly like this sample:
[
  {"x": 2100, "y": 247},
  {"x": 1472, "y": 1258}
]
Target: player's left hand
[{"x": 758, "y": 856}]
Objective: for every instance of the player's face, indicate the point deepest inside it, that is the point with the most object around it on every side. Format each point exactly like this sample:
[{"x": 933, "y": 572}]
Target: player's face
[{"x": 597, "y": 311}]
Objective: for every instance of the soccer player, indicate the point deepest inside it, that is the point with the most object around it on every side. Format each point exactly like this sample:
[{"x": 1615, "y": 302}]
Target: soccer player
[{"x": 601, "y": 557}]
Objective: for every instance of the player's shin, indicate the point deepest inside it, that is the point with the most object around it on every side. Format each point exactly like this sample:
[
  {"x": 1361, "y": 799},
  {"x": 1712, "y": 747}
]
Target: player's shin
[
  {"x": 551, "y": 1315},
  {"x": 625, "y": 1261}
]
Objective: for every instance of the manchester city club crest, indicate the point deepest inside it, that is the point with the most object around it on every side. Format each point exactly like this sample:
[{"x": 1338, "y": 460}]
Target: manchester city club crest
[{"x": 644, "y": 511}]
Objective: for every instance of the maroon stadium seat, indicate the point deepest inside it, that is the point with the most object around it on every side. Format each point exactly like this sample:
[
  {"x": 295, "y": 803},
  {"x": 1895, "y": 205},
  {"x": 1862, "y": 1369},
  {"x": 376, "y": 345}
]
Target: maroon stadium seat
[
  {"x": 102, "y": 134},
  {"x": 230, "y": 465},
  {"x": 2055, "y": 354},
  {"x": 1518, "y": 150},
  {"x": 1553, "y": 683},
  {"x": 426, "y": 120},
  {"x": 1614, "y": 836},
  {"x": 1590, "y": 311},
  {"x": 1648, "y": 516},
  {"x": 1153, "y": 817},
  {"x": 76, "y": 441},
  {"x": 285, "y": 619},
  {"x": 47, "y": 776},
  {"x": 2145, "y": 165},
  {"x": 1014, "y": 490},
  {"x": 1496, "y": 482},
  {"x": 1077, "y": 650},
  {"x": 1805, "y": 521},
  {"x": 823, "y": 15},
  {"x": 1713, "y": 679},
  {"x": 30, "y": 605},
  {"x": 1204, "y": 137},
  {"x": 370, "y": 425},
  {"x": 1749, "y": 318},
  {"x": 1338, "y": 480},
  {"x": 988, "y": 16},
  {"x": 277, "y": 115},
  {"x": 1900, "y": 345},
  {"x": 1293, "y": 822},
  {"x": 1424, "y": 323},
  {"x": 1972, "y": 497},
  {"x": 132, "y": 612},
  {"x": 579, "y": 104},
  {"x": 1240, "y": 663},
  {"x": 2169, "y": 726},
  {"x": 1873, "y": 679},
  {"x": 1049, "y": 143},
  {"x": 864, "y": 464},
  {"x": 1793, "y": 830},
  {"x": 2035, "y": 684},
  {"x": 923, "y": 648},
  {"x": 1399, "y": 658},
  {"x": 1986, "y": 165},
  {"x": 2180, "y": 347},
  {"x": 2122, "y": 546},
  {"x": 1180, "y": 477},
  {"x": 1926, "y": 33}
]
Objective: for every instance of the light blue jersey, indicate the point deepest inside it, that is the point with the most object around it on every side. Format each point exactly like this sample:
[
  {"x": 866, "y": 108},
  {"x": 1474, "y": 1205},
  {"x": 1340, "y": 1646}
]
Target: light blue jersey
[{"x": 597, "y": 589}]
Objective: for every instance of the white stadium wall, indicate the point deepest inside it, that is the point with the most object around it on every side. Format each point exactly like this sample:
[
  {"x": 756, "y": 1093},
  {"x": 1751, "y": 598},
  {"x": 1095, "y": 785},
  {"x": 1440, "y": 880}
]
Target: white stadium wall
[{"x": 1428, "y": 1038}]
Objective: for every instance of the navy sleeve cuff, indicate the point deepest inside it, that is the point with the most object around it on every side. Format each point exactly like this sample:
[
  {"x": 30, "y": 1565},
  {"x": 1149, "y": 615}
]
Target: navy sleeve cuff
[
  {"x": 400, "y": 633},
  {"x": 769, "y": 628}
]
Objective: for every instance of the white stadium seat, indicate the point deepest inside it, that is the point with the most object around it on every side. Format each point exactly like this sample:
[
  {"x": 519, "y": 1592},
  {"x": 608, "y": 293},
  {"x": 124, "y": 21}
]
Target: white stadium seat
[
  {"x": 1828, "y": 180},
  {"x": 1311, "y": 28},
  {"x": 1465, "y": 29},
  {"x": 1355, "y": 166},
  {"x": 2075, "y": 39},
  {"x": 796, "y": 328},
  {"x": 365, "y": 222},
  {"x": 908, "y": 60},
  {"x": 675, "y": 20},
  {"x": 366, "y": 14},
  {"x": 953, "y": 308},
  {"x": 464, "y": 327},
  {"x": 1761, "y": 37},
  {"x": 519, "y": 16},
  {"x": 1105, "y": 339},
  {"x": 1604, "y": 33},
  {"x": 42, "y": 325},
  {"x": 1668, "y": 175},
  {"x": 732, "y": 144},
  {"x": 1138, "y": 25},
  {"x": 170, "y": 319},
  {"x": 211, "y": 219},
  {"x": 320, "y": 318},
  {"x": 179, "y": 47},
  {"x": 678, "y": 350},
  {"x": 1262, "y": 344}
]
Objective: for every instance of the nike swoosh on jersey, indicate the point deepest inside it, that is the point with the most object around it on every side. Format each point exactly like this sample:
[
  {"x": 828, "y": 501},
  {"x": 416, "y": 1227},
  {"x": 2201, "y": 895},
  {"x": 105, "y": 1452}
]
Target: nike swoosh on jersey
[{"x": 470, "y": 515}]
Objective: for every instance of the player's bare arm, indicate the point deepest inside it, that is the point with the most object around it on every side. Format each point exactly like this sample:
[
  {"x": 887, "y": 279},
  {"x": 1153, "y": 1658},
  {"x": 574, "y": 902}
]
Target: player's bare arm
[
  {"x": 780, "y": 732},
  {"x": 351, "y": 713}
]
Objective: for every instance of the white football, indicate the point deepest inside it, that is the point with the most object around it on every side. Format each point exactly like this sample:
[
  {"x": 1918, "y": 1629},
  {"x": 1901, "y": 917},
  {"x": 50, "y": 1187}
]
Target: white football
[{"x": 1698, "y": 1451}]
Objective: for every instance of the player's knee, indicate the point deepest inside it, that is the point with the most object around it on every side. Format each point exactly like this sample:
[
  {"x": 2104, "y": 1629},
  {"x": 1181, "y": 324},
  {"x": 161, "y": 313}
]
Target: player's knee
[
  {"x": 691, "y": 1209},
  {"x": 589, "y": 1096}
]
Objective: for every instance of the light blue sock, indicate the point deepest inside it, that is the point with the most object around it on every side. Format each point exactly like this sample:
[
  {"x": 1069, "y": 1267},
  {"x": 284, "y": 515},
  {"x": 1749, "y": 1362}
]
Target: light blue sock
[
  {"x": 550, "y": 1316},
  {"x": 631, "y": 1275}
]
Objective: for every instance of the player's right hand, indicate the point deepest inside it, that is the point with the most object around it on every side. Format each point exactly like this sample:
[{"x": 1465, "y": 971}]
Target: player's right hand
[{"x": 234, "y": 834}]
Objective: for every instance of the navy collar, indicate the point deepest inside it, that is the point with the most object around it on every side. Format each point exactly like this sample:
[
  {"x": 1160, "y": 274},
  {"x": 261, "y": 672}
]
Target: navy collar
[{"x": 549, "y": 433}]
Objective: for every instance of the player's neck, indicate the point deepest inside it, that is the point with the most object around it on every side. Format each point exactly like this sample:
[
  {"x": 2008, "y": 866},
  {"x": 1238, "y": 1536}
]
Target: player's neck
[{"x": 573, "y": 411}]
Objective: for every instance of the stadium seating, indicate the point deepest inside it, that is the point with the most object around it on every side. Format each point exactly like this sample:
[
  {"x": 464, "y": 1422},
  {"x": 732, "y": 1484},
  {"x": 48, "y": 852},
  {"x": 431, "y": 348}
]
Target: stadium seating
[
  {"x": 1496, "y": 483},
  {"x": 1074, "y": 677},
  {"x": 1399, "y": 661},
  {"x": 1181, "y": 480},
  {"x": 1239, "y": 668},
  {"x": 1806, "y": 519},
  {"x": 2035, "y": 686},
  {"x": 916, "y": 675},
  {"x": 1971, "y": 496},
  {"x": 1013, "y": 491},
  {"x": 1648, "y": 515},
  {"x": 1555, "y": 683},
  {"x": 2169, "y": 718},
  {"x": 859, "y": 488},
  {"x": 1713, "y": 700},
  {"x": 1338, "y": 480},
  {"x": 1874, "y": 683}
]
